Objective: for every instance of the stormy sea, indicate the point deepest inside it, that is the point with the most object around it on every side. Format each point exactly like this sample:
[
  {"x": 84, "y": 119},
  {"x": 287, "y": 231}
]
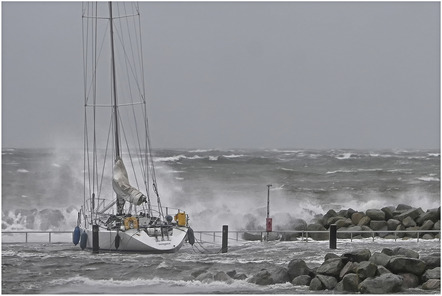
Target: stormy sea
[{"x": 42, "y": 189}]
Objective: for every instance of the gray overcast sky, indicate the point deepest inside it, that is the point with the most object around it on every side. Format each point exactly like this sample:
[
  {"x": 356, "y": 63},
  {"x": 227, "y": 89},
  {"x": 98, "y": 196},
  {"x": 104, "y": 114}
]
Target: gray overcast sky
[{"x": 239, "y": 75}]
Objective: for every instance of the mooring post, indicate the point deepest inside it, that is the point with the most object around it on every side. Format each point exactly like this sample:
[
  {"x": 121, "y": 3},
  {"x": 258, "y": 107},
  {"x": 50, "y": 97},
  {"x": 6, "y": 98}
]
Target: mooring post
[
  {"x": 225, "y": 238},
  {"x": 333, "y": 231},
  {"x": 268, "y": 219},
  {"x": 95, "y": 242}
]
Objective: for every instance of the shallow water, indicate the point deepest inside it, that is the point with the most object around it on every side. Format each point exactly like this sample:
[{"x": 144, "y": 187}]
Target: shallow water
[{"x": 63, "y": 268}]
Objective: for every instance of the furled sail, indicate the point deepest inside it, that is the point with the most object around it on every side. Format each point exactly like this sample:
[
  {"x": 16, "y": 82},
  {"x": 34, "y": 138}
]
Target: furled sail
[{"x": 122, "y": 187}]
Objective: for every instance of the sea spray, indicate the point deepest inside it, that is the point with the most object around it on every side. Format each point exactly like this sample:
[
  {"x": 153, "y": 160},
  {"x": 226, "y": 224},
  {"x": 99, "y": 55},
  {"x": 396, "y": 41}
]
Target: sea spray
[{"x": 218, "y": 187}]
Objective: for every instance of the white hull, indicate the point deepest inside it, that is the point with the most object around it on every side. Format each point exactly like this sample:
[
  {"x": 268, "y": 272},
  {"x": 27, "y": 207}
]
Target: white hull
[{"x": 134, "y": 240}]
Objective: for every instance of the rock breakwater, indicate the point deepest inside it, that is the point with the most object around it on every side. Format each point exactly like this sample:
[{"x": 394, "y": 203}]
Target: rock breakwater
[
  {"x": 389, "y": 271},
  {"x": 362, "y": 224}
]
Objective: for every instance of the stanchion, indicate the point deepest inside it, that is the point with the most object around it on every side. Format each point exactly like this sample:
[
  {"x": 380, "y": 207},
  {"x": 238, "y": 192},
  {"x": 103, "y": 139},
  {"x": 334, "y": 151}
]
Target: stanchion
[
  {"x": 225, "y": 238},
  {"x": 333, "y": 236}
]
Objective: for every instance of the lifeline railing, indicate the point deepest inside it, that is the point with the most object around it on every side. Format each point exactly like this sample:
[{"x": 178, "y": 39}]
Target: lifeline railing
[{"x": 214, "y": 235}]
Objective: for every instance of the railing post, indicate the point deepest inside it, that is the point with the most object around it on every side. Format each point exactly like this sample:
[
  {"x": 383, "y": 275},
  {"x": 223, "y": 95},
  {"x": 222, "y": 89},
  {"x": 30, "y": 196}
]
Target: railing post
[
  {"x": 95, "y": 239},
  {"x": 26, "y": 237},
  {"x": 225, "y": 238},
  {"x": 333, "y": 236},
  {"x": 50, "y": 237}
]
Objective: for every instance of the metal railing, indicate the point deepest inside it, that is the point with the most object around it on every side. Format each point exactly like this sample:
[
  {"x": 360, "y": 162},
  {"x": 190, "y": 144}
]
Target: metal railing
[
  {"x": 237, "y": 235},
  {"x": 27, "y": 233},
  {"x": 304, "y": 234}
]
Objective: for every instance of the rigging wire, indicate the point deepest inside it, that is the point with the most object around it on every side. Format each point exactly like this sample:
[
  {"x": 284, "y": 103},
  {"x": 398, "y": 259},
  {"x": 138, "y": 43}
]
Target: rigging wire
[{"x": 130, "y": 48}]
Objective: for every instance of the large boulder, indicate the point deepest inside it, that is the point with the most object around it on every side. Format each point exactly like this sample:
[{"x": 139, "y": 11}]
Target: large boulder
[
  {"x": 428, "y": 225},
  {"x": 302, "y": 280},
  {"x": 378, "y": 224},
  {"x": 205, "y": 277},
  {"x": 329, "y": 282},
  {"x": 429, "y": 215},
  {"x": 330, "y": 256},
  {"x": 231, "y": 273},
  {"x": 346, "y": 213},
  {"x": 384, "y": 234},
  {"x": 354, "y": 229},
  {"x": 432, "y": 284},
  {"x": 356, "y": 217},
  {"x": 332, "y": 220},
  {"x": 409, "y": 280},
  {"x": 332, "y": 267},
  {"x": 380, "y": 259},
  {"x": 403, "y": 207},
  {"x": 366, "y": 234},
  {"x": 350, "y": 282},
  {"x": 328, "y": 215},
  {"x": 387, "y": 251},
  {"x": 358, "y": 255},
  {"x": 345, "y": 222},
  {"x": 436, "y": 225},
  {"x": 406, "y": 252},
  {"x": 382, "y": 270},
  {"x": 343, "y": 213},
  {"x": 298, "y": 267},
  {"x": 388, "y": 212},
  {"x": 427, "y": 236},
  {"x": 221, "y": 276},
  {"x": 365, "y": 221},
  {"x": 431, "y": 274},
  {"x": 432, "y": 260},
  {"x": 384, "y": 284},
  {"x": 350, "y": 267},
  {"x": 392, "y": 224},
  {"x": 408, "y": 222},
  {"x": 280, "y": 275},
  {"x": 349, "y": 232},
  {"x": 366, "y": 269},
  {"x": 317, "y": 236},
  {"x": 412, "y": 234},
  {"x": 262, "y": 278},
  {"x": 400, "y": 227},
  {"x": 316, "y": 285},
  {"x": 413, "y": 213},
  {"x": 406, "y": 265},
  {"x": 375, "y": 214},
  {"x": 198, "y": 272},
  {"x": 240, "y": 276}
]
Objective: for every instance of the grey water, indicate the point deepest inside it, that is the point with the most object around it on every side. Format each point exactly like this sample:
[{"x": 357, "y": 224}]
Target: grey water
[
  {"x": 62, "y": 268},
  {"x": 42, "y": 189}
]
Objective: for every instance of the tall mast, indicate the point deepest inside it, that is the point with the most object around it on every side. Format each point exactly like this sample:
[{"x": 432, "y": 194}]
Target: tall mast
[{"x": 114, "y": 84}]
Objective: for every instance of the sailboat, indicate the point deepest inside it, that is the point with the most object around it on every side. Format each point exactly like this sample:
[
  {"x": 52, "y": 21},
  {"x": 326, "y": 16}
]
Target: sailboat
[{"x": 121, "y": 209}]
